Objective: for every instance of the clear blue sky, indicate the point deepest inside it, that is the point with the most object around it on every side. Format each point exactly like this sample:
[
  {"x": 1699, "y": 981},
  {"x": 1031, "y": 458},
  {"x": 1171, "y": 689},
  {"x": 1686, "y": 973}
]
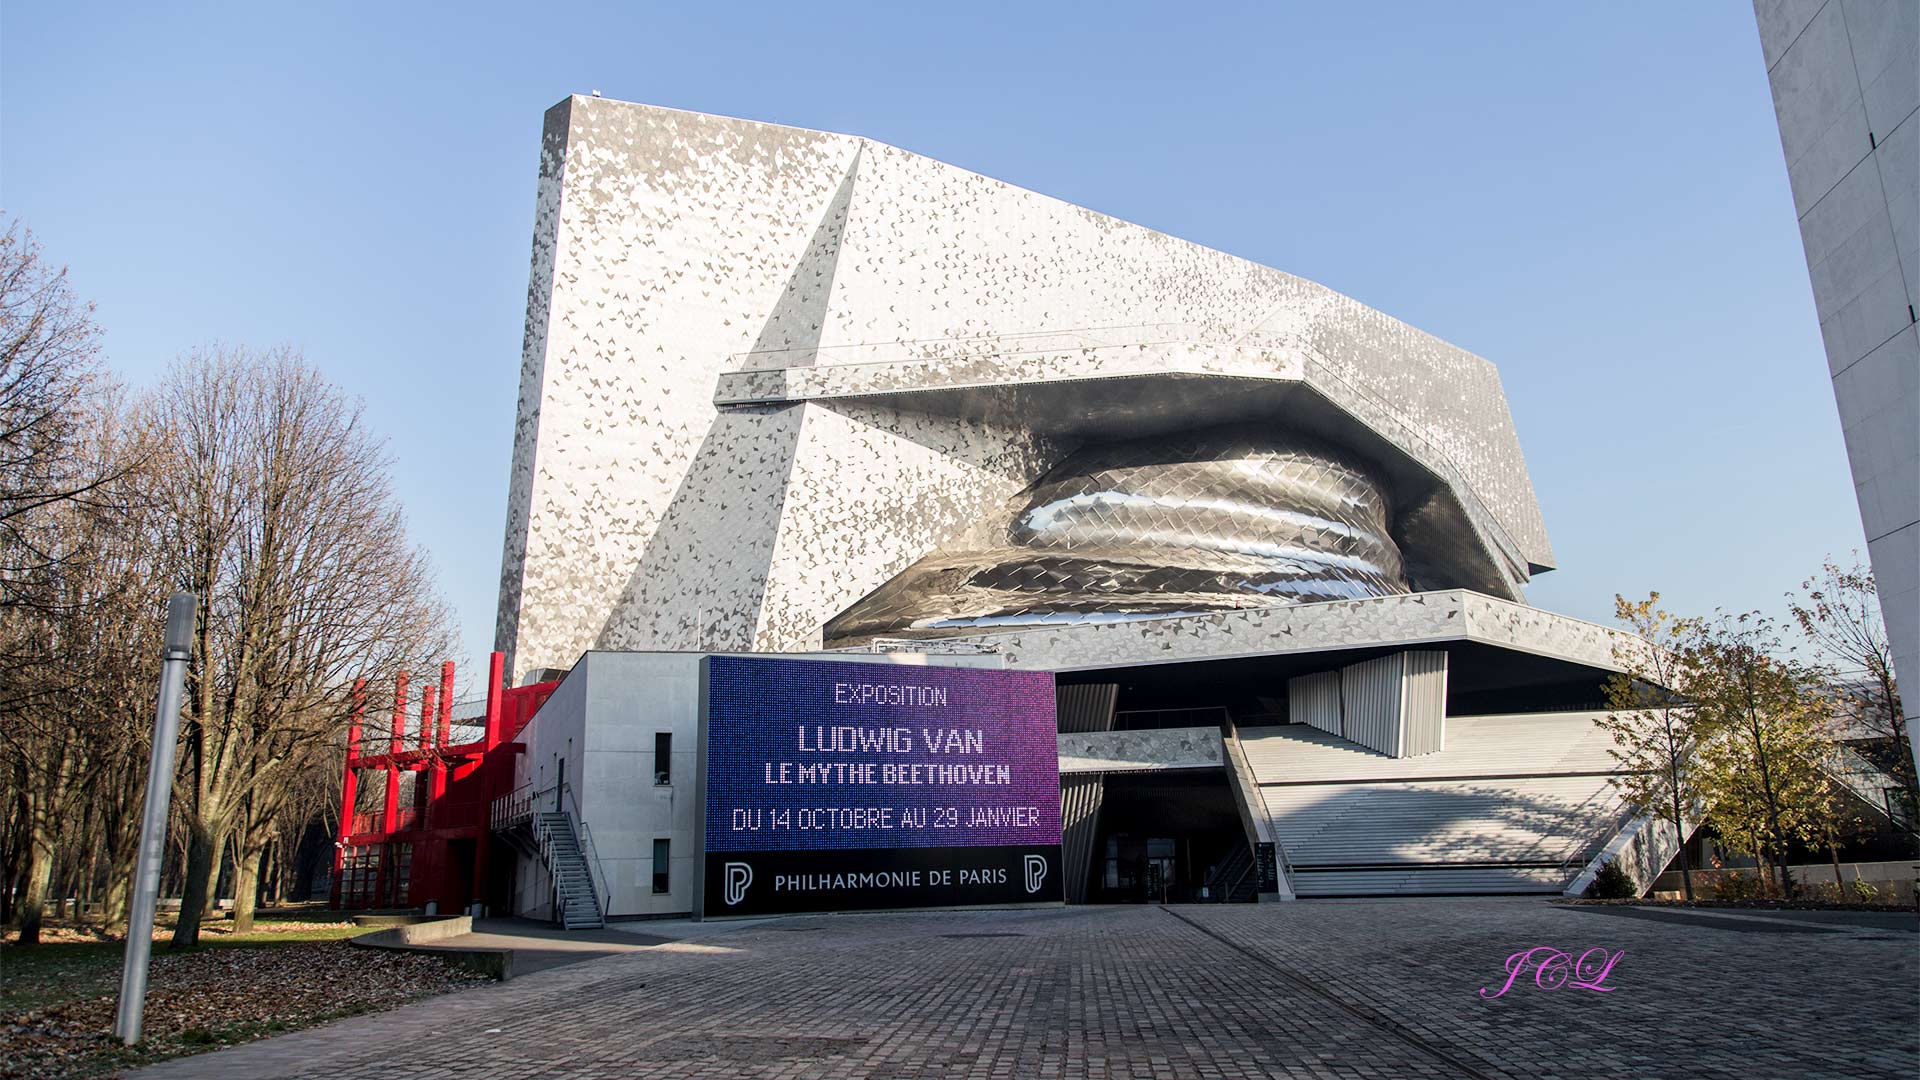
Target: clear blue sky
[{"x": 1590, "y": 195}]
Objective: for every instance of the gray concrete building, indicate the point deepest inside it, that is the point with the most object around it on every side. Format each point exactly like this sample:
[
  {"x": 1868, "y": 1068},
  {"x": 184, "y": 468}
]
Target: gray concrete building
[{"x": 1846, "y": 83}]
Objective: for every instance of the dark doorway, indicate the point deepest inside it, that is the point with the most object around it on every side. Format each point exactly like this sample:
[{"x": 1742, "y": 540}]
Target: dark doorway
[
  {"x": 498, "y": 883},
  {"x": 1163, "y": 835},
  {"x": 459, "y": 880}
]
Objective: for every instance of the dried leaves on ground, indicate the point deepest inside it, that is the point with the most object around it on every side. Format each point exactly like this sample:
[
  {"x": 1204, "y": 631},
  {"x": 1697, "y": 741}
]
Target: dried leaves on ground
[{"x": 206, "y": 999}]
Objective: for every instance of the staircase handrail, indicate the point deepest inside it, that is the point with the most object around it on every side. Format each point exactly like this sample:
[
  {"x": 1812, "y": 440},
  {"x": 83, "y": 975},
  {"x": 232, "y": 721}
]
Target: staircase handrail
[
  {"x": 1867, "y": 781},
  {"x": 515, "y": 806},
  {"x": 1241, "y": 879},
  {"x": 602, "y": 890},
  {"x": 1620, "y": 820}
]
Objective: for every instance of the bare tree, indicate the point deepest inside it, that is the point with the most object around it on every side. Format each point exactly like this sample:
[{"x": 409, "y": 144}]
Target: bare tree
[
  {"x": 1839, "y": 612},
  {"x": 283, "y": 521},
  {"x": 73, "y": 682},
  {"x": 49, "y": 364}
]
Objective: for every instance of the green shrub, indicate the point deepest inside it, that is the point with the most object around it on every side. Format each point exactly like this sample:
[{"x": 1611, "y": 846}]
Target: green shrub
[
  {"x": 1612, "y": 883},
  {"x": 1734, "y": 885},
  {"x": 1863, "y": 892}
]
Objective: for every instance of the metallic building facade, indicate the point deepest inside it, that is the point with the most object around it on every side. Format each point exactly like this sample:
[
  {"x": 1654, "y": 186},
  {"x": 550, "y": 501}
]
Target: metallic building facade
[
  {"x": 778, "y": 380},
  {"x": 785, "y": 390},
  {"x": 1211, "y": 520}
]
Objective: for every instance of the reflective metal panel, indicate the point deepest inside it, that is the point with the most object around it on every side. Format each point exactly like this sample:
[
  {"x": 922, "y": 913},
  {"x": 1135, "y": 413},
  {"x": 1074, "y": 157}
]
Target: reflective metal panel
[{"x": 1192, "y": 522}]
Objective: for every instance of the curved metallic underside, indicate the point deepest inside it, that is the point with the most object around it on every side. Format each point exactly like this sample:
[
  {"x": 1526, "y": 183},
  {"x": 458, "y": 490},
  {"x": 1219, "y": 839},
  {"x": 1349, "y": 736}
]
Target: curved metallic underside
[{"x": 1184, "y": 523}]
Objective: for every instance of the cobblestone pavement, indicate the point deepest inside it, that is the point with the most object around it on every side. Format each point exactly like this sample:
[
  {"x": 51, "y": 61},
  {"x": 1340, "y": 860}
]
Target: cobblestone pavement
[{"x": 1316, "y": 989}]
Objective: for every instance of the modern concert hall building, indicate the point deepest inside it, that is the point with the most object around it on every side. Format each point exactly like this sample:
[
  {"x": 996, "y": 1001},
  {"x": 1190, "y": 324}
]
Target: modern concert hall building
[{"x": 793, "y": 392}]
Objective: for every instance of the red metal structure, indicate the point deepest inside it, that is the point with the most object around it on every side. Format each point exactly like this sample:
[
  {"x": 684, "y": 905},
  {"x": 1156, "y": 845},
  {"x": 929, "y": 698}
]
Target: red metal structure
[{"x": 428, "y": 841}]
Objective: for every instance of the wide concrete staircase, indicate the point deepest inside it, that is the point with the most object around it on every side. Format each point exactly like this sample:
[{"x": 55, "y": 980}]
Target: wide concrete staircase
[
  {"x": 1512, "y": 804},
  {"x": 576, "y": 902}
]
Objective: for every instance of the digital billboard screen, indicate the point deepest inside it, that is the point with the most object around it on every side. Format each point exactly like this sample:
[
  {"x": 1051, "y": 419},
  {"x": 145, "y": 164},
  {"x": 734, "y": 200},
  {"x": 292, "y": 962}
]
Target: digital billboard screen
[{"x": 837, "y": 786}]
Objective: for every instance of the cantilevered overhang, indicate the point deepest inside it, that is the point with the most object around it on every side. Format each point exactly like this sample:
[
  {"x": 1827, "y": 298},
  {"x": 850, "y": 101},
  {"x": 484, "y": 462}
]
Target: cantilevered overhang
[
  {"x": 1082, "y": 388},
  {"x": 1416, "y": 620}
]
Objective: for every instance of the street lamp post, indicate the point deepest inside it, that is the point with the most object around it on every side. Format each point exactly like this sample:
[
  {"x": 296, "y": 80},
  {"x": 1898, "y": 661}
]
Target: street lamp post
[{"x": 153, "y": 823}]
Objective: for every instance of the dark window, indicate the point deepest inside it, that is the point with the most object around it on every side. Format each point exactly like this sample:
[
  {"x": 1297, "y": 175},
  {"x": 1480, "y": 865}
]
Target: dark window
[
  {"x": 662, "y": 759},
  {"x": 660, "y": 866}
]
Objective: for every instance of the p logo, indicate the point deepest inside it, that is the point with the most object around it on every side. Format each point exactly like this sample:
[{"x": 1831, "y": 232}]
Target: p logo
[
  {"x": 1036, "y": 872},
  {"x": 738, "y": 876}
]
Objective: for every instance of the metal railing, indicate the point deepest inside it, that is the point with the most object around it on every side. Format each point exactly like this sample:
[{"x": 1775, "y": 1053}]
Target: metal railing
[
  {"x": 1127, "y": 719},
  {"x": 1227, "y": 877},
  {"x": 940, "y": 646},
  {"x": 516, "y": 807},
  {"x": 1868, "y": 783},
  {"x": 522, "y": 806},
  {"x": 602, "y": 888},
  {"x": 465, "y": 734}
]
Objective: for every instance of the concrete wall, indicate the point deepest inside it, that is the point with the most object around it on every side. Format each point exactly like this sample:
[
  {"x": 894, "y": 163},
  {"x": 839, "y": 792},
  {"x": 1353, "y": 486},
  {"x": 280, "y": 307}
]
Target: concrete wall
[
  {"x": 632, "y": 696},
  {"x": 558, "y": 731},
  {"x": 1147, "y": 750},
  {"x": 1892, "y": 881},
  {"x": 1845, "y": 76}
]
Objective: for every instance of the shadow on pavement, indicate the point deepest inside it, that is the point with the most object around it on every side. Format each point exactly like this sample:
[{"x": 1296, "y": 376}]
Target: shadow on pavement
[{"x": 1762, "y": 920}]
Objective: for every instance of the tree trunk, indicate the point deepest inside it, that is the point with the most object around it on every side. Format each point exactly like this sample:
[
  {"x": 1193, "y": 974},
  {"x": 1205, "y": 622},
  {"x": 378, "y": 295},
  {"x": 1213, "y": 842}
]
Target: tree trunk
[
  {"x": 1786, "y": 876},
  {"x": 113, "y": 908},
  {"x": 246, "y": 886},
  {"x": 203, "y": 862},
  {"x": 33, "y": 899},
  {"x": 122, "y": 854},
  {"x": 282, "y": 871},
  {"x": 89, "y": 891},
  {"x": 210, "y": 905},
  {"x": 1686, "y": 874}
]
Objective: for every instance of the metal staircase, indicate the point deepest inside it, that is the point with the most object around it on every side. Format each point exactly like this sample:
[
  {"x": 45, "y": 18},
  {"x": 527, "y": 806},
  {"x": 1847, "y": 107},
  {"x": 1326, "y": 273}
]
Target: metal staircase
[
  {"x": 576, "y": 901},
  {"x": 564, "y": 846},
  {"x": 1234, "y": 880}
]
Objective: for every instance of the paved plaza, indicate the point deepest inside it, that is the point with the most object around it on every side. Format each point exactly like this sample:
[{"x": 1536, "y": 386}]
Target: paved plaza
[{"x": 1315, "y": 989}]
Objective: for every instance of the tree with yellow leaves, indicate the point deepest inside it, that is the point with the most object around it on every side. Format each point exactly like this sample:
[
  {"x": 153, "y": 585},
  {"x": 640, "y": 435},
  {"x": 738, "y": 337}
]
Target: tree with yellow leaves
[
  {"x": 1763, "y": 737},
  {"x": 1651, "y": 724}
]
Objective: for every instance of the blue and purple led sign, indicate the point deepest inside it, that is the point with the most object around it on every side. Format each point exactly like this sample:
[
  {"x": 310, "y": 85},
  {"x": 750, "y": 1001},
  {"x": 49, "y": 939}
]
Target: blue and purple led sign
[{"x": 848, "y": 783}]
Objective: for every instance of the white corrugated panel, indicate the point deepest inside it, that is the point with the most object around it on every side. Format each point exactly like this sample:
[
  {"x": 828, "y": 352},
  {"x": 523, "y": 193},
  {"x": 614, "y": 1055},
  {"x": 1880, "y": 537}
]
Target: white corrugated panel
[
  {"x": 1423, "y": 705},
  {"x": 1086, "y": 707},
  {"x": 1314, "y": 700},
  {"x": 1370, "y": 703}
]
